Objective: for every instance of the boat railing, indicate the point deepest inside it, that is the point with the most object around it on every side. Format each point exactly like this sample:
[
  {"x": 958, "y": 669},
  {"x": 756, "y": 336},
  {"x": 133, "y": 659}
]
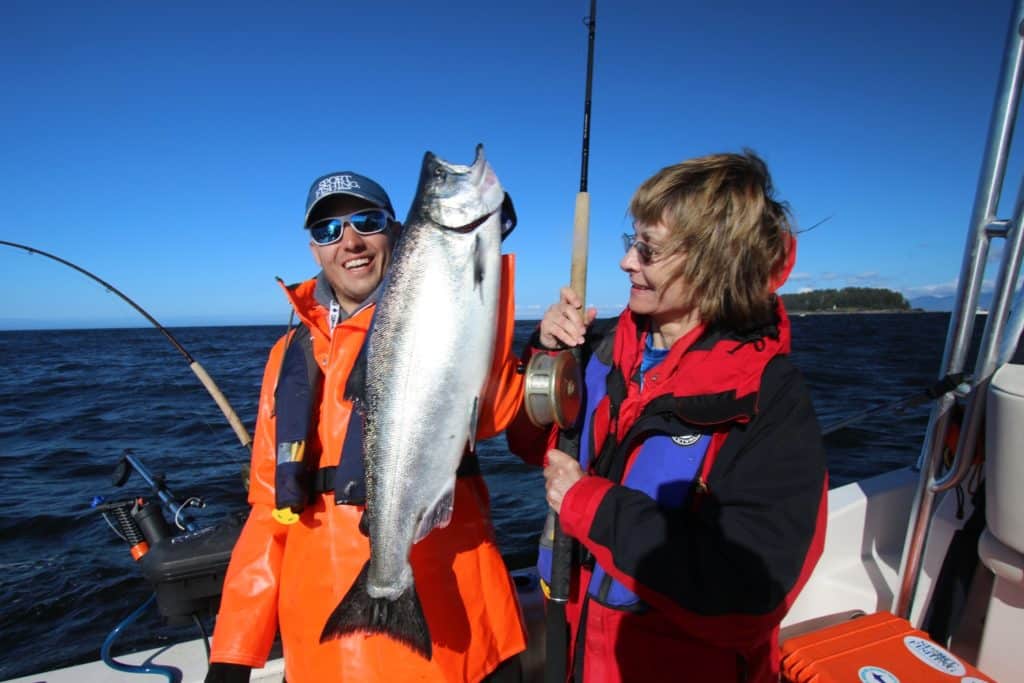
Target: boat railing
[{"x": 983, "y": 228}]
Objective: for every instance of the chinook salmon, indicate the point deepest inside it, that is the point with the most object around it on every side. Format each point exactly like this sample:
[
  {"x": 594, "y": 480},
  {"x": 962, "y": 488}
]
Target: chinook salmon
[{"x": 427, "y": 360}]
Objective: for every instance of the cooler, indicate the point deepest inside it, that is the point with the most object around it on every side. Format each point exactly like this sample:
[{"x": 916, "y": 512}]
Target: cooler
[{"x": 878, "y": 648}]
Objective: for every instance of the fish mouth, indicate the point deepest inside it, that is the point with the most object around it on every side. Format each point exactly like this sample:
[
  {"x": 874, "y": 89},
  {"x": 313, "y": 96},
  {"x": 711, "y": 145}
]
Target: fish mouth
[
  {"x": 478, "y": 171},
  {"x": 459, "y": 197},
  {"x": 474, "y": 172}
]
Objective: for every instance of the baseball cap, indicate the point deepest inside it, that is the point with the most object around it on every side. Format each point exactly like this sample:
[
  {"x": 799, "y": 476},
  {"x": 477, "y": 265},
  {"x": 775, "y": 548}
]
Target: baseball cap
[{"x": 347, "y": 182}]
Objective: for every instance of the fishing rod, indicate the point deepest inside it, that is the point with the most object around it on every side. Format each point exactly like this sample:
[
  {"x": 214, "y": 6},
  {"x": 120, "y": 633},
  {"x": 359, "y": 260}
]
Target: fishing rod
[
  {"x": 942, "y": 387},
  {"x": 557, "y": 631},
  {"x": 197, "y": 369}
]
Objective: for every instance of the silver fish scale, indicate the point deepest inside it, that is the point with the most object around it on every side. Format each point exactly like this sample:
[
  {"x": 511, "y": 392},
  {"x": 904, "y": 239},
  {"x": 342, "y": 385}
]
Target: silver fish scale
[{"x": 430, "y": 351}]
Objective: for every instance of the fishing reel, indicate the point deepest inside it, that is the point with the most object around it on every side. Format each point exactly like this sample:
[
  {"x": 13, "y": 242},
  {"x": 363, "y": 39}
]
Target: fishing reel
[
  {"x": 553, "y": 389},
  {"x": 185, "y": 564},
  {"x": 137, "y": 522}
]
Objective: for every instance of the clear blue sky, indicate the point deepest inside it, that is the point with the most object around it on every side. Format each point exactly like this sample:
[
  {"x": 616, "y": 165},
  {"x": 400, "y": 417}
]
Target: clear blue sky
[{"x": 168, "y": 146}]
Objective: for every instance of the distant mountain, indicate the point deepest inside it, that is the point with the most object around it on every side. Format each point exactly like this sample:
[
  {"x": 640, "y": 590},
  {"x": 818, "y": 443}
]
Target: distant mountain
[{"x": 945, "y": 303}]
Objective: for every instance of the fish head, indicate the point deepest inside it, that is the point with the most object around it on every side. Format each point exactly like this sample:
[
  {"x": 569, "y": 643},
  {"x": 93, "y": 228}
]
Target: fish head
[{"x": 458, "y": 197}]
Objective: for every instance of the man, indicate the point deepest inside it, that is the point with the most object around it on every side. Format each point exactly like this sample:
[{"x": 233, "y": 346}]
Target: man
[{"x": 302, "y": 548}]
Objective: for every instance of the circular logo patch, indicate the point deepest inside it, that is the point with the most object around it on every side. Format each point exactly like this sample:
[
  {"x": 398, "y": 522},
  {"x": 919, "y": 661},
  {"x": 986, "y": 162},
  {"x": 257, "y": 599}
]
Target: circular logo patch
[
  {"x": 686, "y": 439},
  {"x": 934, "y": 656},
  {"x": 874, "y": 674}
]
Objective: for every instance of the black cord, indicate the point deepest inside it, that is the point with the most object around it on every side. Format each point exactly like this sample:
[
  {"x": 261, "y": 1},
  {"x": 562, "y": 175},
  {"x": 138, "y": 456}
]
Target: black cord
[{"x": 202, "y": 632}]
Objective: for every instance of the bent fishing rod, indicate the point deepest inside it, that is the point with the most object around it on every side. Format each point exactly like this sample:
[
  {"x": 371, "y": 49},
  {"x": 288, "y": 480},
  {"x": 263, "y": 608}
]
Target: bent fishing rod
[{"x": 197, "y": 369}]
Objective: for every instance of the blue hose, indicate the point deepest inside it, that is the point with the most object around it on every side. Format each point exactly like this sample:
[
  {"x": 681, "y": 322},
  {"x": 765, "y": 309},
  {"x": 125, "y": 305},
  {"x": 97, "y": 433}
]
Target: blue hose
[{"x": 173, "y": 675}]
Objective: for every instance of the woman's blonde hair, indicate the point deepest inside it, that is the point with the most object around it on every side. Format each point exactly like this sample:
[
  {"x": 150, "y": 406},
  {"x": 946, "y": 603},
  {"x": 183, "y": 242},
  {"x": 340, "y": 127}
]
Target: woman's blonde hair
[{"x": 734, "y": 236}]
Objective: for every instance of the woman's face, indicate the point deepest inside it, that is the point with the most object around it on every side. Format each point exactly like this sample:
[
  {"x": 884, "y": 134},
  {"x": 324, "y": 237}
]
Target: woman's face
[{"x": 654, "y": 290}]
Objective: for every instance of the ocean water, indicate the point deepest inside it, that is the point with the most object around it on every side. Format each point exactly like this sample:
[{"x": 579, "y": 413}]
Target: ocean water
[{"x": 71, "y": 402}]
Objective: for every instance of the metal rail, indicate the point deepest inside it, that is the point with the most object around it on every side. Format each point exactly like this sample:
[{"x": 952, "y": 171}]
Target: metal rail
[{"x": 984, "y": 226}]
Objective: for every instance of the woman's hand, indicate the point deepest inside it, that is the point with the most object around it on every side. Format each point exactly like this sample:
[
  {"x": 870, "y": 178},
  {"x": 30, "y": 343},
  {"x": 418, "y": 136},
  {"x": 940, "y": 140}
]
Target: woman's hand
[
  {"x": 560, "y": 473},
  {"x": 563, "y": 325}
]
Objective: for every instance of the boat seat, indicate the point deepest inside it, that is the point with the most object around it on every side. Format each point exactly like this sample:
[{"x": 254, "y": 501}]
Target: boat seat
[
  {"x": 1001, "y": 560},
  {"x": 1004, "y": 459},
  {"x": 1001, "y": 545}
]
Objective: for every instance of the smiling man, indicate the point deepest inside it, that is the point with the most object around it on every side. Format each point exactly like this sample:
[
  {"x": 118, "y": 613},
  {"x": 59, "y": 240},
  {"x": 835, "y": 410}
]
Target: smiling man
[
  {"x": 301, "y": 548},
  {"x": 352, "y": 228}
]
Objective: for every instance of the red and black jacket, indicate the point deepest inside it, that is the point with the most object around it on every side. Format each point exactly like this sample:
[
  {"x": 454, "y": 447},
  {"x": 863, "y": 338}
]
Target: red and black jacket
[{"x": 712, "y": 572}]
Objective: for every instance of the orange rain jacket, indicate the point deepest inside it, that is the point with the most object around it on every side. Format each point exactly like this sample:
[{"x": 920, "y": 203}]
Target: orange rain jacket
[{"x": 292, "y": 577}]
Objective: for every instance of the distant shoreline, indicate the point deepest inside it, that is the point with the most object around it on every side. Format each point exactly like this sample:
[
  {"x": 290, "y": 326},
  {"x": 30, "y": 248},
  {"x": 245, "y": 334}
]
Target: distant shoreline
[{"x": 40, "y": 326}]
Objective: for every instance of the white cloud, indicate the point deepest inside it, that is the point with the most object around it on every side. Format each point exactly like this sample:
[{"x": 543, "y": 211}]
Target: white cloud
[
  {"x": 941, "y": 289},
  {"x": 869, "y": 276},
  {"x": 805, "y": 281}
]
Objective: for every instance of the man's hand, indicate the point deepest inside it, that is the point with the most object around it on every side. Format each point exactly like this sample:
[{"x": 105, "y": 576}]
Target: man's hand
[
  {"x": 227, "y": 673},
  {"x": 560, "y": 473},
  {"x": 563, "y": 324}
]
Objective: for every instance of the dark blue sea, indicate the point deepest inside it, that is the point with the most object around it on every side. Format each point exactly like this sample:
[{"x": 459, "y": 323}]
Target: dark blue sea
[{"x": 71, "y": 402}]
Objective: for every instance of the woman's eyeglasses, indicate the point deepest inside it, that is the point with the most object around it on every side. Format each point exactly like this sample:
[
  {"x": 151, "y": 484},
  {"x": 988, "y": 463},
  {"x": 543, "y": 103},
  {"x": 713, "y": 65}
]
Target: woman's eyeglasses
[
  {"x": 645, "y": 251},
  {"x": 365, "y": 222}
]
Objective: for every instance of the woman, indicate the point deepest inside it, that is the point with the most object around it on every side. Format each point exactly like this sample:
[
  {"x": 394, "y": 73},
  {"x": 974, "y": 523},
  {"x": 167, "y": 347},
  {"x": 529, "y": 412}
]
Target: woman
[{"x": 699, "y": 497}]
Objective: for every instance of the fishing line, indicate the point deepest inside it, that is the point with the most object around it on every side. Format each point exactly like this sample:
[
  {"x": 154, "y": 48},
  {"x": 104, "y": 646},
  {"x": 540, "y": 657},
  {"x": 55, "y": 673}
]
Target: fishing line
[
  {"x": 200, "y": 372},
  {"x": 942, "y": 387},
  {"x": 826, "y": 219}
]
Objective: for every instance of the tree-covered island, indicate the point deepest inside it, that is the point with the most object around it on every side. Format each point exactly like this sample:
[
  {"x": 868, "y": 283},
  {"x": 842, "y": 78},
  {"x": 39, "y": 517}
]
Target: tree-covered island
[{"x": 846, "y": 300}]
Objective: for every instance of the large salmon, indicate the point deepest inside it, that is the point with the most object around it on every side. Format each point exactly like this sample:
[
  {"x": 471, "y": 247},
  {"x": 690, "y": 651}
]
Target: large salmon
[{"x": 428, "y": 354}]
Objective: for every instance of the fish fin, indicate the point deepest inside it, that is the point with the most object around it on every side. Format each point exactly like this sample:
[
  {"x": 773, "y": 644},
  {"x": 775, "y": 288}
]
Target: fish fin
[
  {"x": 508, "y": 217},
  {"x": 474, "y": 418},
  {"x": 400, "y": 619},
  {"x": 478, "y": 264},
  {"x": 438, "y": 516},
  {"x": 355, "y": 386}
]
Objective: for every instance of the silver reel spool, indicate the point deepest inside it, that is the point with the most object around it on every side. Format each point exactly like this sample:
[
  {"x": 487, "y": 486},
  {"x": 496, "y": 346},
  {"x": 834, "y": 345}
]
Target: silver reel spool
[{"x": 554, "y": 389}]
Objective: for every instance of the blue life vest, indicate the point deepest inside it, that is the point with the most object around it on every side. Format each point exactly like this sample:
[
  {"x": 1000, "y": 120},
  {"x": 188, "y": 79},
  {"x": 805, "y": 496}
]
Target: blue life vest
[{"x": 665, "y": 469}]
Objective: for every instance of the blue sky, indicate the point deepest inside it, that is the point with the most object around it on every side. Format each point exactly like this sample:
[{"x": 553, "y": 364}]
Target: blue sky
[{"x": 168, "y": 146}]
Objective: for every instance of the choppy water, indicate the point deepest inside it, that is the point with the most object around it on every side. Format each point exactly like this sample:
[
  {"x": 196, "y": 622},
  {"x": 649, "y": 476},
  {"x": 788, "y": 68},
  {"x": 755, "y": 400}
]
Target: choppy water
[{"x": 72, "y": 401}]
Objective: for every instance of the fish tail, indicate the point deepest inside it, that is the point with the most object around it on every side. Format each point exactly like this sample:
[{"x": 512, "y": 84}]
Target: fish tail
[{"x": 401, "y": 619}]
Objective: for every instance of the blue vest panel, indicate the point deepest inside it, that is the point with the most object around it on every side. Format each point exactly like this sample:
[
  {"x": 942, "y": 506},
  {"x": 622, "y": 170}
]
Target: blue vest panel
[{"x": 664, "y": 469}]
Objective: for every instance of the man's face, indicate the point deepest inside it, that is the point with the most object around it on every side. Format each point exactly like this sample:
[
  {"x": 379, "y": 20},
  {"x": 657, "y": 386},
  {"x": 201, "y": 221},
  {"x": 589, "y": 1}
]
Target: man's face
[{"x": 355, "y": 264}]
